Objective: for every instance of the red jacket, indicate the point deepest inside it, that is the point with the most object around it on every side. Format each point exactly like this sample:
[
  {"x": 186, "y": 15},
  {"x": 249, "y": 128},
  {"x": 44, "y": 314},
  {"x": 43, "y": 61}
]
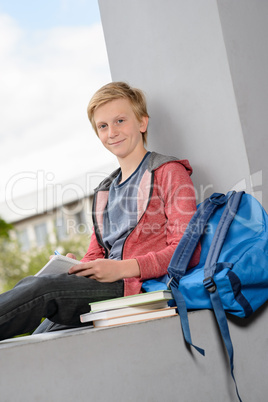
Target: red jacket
[{"x": 166, "y": 203}]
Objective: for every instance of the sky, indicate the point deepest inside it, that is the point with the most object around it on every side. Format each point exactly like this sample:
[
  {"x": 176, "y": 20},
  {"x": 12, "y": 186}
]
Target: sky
[{"x": 52, "y": 60}]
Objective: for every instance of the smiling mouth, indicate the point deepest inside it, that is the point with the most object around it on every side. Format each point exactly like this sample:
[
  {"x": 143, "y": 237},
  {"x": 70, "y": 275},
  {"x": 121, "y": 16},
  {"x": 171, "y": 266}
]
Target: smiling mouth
[{"x": 117, "y": 142}]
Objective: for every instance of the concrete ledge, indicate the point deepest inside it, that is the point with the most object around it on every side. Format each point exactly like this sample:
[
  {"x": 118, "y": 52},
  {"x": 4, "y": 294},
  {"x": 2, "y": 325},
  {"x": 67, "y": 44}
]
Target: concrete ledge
[{"x": 146, "y": 361}]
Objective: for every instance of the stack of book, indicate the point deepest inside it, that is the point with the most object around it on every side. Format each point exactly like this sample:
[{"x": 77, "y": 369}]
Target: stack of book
[{"x": 129, "y": 309}]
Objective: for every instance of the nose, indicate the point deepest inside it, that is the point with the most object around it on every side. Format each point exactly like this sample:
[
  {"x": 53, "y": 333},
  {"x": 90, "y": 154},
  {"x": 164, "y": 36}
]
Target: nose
[{"x": 112, "y": 132}]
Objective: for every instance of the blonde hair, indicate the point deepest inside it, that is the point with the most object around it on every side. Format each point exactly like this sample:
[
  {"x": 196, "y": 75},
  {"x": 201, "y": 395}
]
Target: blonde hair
[{"x": 117, "y": 90}]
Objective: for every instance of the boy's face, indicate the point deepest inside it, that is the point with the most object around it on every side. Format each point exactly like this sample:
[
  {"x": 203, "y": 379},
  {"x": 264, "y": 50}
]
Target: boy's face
[{"x": 118, "y": 128}]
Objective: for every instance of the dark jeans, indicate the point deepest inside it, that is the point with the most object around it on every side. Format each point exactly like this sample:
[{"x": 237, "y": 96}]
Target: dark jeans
[{"x": 60, "y": 298}]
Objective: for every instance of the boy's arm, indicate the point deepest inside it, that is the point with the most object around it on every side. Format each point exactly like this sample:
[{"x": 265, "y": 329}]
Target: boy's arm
[{"x": 105, "y": 270}]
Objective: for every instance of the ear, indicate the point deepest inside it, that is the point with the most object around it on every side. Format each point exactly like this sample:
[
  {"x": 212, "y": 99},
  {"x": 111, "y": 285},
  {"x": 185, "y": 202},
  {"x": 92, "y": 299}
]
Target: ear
[{"x": 144, "y": 124}]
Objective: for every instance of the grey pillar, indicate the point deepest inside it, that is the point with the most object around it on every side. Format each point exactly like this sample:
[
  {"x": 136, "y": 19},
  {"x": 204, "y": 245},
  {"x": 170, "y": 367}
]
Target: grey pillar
[{"x": 203, "y": 66}]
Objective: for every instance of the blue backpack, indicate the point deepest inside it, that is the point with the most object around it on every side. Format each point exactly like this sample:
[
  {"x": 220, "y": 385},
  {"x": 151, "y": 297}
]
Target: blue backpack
[{"x": 232, "y": 274}]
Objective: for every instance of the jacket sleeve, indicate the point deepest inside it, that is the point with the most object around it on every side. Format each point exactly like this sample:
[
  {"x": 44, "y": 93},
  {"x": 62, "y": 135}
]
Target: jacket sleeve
[
  {"x": 94, "y": 250},
  {"x": 175, "y": 190}
]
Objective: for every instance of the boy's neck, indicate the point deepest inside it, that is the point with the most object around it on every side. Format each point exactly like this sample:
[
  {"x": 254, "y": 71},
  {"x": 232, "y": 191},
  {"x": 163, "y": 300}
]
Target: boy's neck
[{"x": 130, "y": 163}]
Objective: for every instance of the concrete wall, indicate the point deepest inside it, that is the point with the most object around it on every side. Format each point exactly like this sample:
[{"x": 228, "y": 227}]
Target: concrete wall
[
  {"x": 203, "y": 66},
  {"x": 245, "y": 29},
  {"x": 144, "y": 362}
]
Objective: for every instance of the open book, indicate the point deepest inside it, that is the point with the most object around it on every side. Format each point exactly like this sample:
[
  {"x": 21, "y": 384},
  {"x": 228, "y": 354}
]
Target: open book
[{"x": 59, "y": 264}]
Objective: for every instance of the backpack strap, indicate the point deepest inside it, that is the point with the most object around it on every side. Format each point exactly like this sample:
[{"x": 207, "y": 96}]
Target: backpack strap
[
  {"x": 182, "y": 310},
  {"x": 184, "y": 251},
  {"x": 221, "y": 232},
  {"x": 211, "y": 266},
  {"x": 182, "y": 256}
]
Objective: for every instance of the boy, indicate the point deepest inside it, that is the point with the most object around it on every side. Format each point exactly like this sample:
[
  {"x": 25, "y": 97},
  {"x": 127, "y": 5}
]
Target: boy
[{"x": 139, "y": 215}]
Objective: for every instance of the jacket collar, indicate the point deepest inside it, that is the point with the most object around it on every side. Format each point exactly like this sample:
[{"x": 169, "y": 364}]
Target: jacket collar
[{"x": 156, "y": 160}]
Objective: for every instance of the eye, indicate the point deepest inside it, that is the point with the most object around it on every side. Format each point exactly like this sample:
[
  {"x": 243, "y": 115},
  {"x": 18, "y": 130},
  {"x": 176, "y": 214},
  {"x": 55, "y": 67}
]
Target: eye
[
  {"x": 102, "y": 126},
  {"x": 120, "y": 121}
]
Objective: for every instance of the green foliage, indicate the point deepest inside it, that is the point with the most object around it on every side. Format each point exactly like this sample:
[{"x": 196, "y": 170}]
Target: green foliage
[
  {"x": 4, "y": 229},
  {"x": 16, "y": 264}
]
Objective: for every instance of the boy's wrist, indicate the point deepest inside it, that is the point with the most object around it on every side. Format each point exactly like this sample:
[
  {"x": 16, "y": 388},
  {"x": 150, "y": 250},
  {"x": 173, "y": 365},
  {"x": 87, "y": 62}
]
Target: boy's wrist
[{"x": 130, "y": 268}]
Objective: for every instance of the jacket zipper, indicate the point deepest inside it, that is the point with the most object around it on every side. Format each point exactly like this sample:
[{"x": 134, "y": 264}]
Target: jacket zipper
[{"x": 96, "y": 226}]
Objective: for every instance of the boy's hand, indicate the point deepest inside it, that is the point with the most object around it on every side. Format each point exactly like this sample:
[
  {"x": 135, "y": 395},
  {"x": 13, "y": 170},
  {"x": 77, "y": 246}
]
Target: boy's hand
[
  {"x": 104, "y": 270},
  {"x": 70, "y": 255}
]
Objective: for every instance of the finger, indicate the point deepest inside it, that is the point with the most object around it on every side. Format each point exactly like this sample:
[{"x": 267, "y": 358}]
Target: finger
[
  {"x": 71, "y": 255},
  {"x": 79, "y": 268},
  {"x": 86, "y": 272}
]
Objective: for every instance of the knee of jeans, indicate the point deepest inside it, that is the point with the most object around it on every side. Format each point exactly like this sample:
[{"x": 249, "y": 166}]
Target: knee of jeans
[{"x": 38, "y": 285}]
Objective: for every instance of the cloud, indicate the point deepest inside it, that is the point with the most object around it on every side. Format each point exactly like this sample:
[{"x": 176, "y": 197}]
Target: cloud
[{"x": 46, "y": 80}]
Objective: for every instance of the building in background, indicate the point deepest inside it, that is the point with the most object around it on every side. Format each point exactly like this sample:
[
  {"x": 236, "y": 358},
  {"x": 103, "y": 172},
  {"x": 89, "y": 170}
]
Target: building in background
[
  {"x": 55, "y": 225},
  {"x": 53, "y": 213}
]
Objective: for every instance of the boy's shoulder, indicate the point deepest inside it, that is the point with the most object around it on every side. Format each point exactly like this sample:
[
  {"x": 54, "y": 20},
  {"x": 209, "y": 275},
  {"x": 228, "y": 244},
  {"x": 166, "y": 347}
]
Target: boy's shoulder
[
  {"x": 160, "y": 161},
  {"x": 156, "y": 160},
  {"x": 106, "y": 183}
]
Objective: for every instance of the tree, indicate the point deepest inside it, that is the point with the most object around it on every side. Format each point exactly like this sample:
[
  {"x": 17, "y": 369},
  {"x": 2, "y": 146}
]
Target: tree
[{"x": 5, "y": 229}]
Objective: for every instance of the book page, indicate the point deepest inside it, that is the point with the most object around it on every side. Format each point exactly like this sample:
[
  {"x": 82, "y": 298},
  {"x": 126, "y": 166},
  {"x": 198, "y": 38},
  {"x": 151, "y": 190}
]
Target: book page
[{"x": 59, "y": 264}]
